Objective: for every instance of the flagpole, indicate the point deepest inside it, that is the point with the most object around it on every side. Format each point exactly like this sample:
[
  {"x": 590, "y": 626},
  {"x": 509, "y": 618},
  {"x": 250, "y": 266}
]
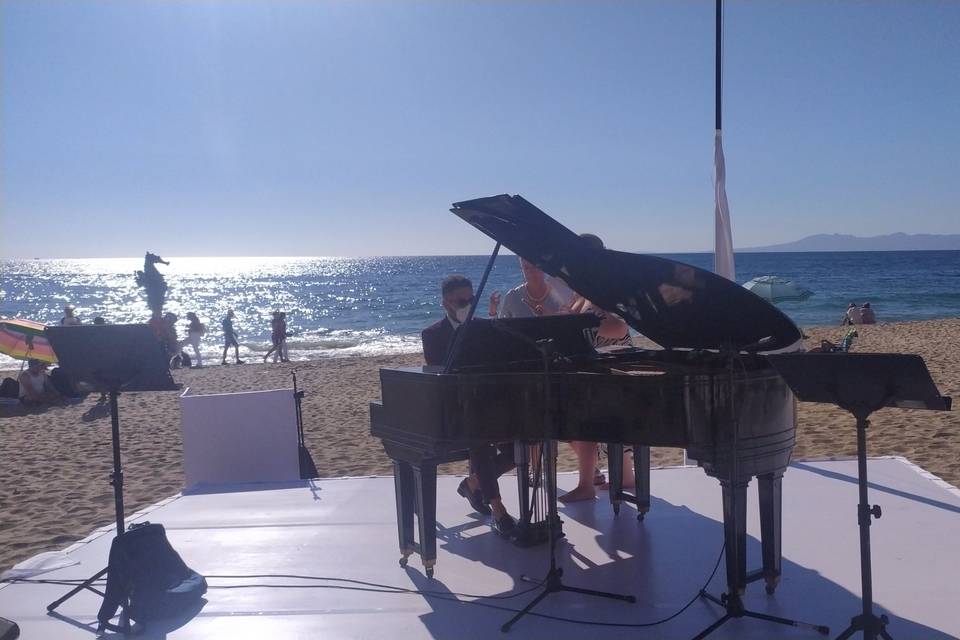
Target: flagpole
[
  {"x": 719, "y": 78},
  {"x": 723, "y": 259}
]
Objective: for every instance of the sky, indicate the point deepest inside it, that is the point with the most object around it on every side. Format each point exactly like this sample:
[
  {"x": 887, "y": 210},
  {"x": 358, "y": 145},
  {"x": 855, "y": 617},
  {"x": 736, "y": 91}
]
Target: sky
[{"x": 331, "y": 128}]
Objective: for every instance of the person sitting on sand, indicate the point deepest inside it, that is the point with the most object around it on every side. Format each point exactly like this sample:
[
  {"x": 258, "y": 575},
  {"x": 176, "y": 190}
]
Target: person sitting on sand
[
  {"x": 851, "y": 315},
  {"x": 487, "y": 462},
  {"x": 867, "y": 316},
  {"x": 230, "y": 338},
  {"x": 35, "y": 386}
]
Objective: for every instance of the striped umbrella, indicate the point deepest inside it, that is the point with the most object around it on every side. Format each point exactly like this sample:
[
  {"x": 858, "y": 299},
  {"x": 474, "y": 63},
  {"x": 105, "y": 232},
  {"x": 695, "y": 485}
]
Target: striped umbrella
[{"x": 24, "y": 339}]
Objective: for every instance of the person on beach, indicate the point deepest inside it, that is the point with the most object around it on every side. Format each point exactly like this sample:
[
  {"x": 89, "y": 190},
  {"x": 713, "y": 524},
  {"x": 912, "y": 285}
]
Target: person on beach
[
  {"x": 36, "y": 389},
  {"x": 278, "y": 337},
  {"x": 230, "y": 338},
  {"x": 69, "y": 319},
  {"x": 533, "y": 297},
  {"x": 195, "y": 331},
  {"x": 852, "y": 315},
  {"x": 487, "y": 462},
  {"x": 169, "y": 340},
  {"x": 867, "y": 316},
  {"x": 284, "y": 334},
  {"x": 613, "y": 331}
]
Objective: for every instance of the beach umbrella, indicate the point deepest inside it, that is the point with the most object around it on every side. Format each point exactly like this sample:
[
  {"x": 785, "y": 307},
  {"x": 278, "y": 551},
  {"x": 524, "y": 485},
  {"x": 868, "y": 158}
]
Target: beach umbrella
[
  {"x": 777, "y": 289},
  {"x": 25, "y": 339}
]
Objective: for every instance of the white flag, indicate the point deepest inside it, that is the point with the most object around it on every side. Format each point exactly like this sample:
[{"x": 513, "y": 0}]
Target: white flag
[{"x": 723, "y": 240}]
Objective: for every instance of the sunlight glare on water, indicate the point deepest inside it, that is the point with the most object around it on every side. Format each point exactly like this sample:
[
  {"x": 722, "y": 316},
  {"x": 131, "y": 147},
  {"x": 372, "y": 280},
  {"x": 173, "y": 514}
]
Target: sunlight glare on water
[{"x": 371, "y": 306}]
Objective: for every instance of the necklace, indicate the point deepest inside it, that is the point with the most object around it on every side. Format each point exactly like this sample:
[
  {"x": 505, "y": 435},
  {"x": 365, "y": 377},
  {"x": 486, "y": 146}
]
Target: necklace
[{"x": 536, "y": 304}]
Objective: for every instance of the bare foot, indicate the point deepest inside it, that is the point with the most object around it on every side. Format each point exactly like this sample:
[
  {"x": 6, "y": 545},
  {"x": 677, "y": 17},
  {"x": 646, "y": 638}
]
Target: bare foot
[{"x": 579, "y": 494}]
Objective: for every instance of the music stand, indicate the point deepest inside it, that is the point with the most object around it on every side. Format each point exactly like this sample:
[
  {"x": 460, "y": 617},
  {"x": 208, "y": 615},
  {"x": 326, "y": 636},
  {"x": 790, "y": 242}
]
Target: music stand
[
  {"x": 861, "y": 383},
  {"x": 111, "y": 359}
]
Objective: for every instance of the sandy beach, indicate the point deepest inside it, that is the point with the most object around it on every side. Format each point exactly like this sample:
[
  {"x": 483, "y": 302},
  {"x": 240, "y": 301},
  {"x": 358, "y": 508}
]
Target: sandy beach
[{"x": 56, "y": 463}]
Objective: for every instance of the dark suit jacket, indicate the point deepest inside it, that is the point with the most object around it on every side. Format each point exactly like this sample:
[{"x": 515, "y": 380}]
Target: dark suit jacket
[{"x": 436, "y": 341}]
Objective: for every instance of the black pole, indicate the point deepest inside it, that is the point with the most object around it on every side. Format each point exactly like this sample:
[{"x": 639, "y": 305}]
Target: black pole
[
  {"x": 869, "y": 623},
  {"x": 719, "y": 79},
  {"x": 863, "y": 519},
  {"x": 454, "y": 350},
  {"x": 116, "y": 478}
]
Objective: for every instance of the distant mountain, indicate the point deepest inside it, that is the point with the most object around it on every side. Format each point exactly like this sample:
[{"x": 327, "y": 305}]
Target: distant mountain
[{"x": 891, "y": 242}]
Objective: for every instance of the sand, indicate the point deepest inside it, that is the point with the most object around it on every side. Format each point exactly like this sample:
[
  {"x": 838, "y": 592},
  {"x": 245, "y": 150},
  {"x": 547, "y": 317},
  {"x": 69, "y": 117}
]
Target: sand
[{"x": 55, "y": 463}]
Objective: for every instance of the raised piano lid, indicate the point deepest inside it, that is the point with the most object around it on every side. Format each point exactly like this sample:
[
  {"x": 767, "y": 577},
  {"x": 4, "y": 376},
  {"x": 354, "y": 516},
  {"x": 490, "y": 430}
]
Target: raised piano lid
[{"x": 674, "y": 304}]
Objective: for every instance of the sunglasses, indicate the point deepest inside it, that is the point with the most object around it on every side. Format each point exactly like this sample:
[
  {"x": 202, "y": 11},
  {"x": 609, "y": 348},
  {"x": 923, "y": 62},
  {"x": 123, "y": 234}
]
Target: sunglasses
[{"x": 460, "y": 303}]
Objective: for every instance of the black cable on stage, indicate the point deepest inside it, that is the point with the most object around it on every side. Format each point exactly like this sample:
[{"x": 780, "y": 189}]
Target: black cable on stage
[
  {"x": 452, "y": 597},
  {"x": 387, "y": 588},
  {"x": 373, "y": 587},
  {"x": 364, "y": 586}
]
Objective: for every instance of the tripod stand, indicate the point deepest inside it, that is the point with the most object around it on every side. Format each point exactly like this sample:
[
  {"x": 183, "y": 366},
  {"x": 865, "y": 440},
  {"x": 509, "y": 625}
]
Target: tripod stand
[
  {"x": 111, "y": 359},
  {"x": 116, "y": 481},
  {"x": 871, "y": 624},
  {"x": 553, "y": 582}
]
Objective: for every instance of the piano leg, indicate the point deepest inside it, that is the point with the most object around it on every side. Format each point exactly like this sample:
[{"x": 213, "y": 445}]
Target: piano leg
[
  {"x": 615, "y": 475},
  {"x": 425, "y": 476},
  {"x": 769, "y": 488},
  {"x": 641, "y": 473},
  {"x": 404, "y": 489},
  {"x": 735, "y": 533}
]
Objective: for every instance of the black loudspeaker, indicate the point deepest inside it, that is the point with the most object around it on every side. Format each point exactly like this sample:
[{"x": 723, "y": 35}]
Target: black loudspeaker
[
  {"x": 9, "y": 630},
  {"x": 148, "y": 578}
]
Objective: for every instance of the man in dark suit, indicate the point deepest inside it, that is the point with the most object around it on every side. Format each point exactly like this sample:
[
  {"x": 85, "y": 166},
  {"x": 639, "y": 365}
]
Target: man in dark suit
[{"x": 487, "y": 463}]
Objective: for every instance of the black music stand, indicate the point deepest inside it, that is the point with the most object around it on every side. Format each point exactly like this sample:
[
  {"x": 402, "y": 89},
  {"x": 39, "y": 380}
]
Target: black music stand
[
  {"x": 861, "y": 383},
  {"x": 111, "y": 359},
  {"x": 553, "y": 581}
]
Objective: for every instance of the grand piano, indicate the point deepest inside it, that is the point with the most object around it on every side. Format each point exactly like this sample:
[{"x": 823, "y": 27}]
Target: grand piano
[{"x": 708, "y": 389}]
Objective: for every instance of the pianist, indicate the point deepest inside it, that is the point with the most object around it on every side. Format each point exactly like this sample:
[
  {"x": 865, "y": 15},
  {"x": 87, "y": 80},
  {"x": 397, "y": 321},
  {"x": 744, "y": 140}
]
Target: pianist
[{"x": 489, "y": 462}]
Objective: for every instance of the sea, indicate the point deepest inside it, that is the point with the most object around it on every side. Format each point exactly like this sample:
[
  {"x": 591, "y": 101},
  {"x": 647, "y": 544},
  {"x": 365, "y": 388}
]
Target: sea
[{"x": 339, "y": 307}]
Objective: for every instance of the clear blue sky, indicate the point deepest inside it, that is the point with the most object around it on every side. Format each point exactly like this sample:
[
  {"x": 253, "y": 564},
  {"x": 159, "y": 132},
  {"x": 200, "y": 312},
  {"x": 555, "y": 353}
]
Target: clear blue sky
[{"x": 347, "y": 128}]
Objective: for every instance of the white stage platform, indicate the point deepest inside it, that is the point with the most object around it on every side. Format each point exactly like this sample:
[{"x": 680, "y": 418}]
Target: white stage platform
[{"x": 346, "y": 529}]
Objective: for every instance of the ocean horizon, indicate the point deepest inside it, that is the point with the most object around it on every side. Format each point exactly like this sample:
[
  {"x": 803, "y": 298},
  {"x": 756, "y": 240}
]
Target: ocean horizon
[{"x": 365, "y": 306}]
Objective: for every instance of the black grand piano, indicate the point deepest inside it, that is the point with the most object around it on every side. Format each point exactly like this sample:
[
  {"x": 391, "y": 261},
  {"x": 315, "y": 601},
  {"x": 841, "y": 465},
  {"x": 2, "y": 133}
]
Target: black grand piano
[{"x": 707, "y": 389}]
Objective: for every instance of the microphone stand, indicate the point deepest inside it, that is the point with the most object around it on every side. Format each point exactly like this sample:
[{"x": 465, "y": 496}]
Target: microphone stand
[{"x": 553, "y": 582}]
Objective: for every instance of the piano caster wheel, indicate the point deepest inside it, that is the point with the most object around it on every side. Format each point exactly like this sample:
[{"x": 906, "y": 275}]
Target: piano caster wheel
[
  {"x": 771, "y": 584},
  {"x": 641, "y": 516},
  {"x": 428, "y": 567},
  {"x": 429, "y": 572},
  {"x": 723, "y": 598},
  {"x": 616, "y": 509},
  {"x": 403, "y": 561}
]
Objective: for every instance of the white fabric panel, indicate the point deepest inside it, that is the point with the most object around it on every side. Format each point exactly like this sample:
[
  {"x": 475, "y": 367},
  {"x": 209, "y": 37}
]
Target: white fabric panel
[
  {"x": 723, "y": 238},
  {"x": 239, "y": 437}
]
